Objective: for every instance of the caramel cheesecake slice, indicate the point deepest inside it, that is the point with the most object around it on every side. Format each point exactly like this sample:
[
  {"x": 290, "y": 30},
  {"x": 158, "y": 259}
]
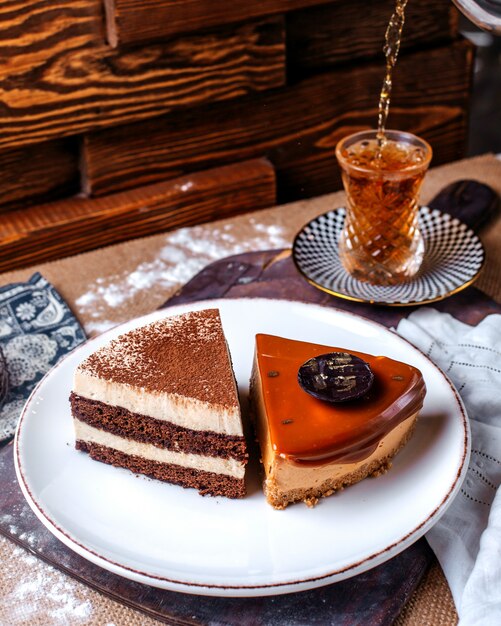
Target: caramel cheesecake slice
[
  {"x": 162, "y": 400},
  {"x": 311, "y": 448}
]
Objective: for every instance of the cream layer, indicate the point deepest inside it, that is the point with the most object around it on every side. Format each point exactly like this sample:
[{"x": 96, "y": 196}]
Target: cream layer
[
  {"x": 169, "y": 407},
  {"x": 228, "y": 467}
]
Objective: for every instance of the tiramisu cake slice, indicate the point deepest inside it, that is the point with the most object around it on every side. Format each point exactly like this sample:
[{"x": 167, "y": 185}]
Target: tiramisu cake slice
[{"x": 162, "y": 400}]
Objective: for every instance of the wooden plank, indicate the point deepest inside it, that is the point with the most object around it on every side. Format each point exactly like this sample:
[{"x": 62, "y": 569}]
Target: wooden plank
[
  {"x": 80, "y": 89},
  {"x": 38, "y": 173},
  {"x": 34, "y": 31},
  {"x": 339, "y": 32},
  {"x": 58, "y": 229},
  {"x": 133, "y": 21},
  {"x": 296, "y": 127}
]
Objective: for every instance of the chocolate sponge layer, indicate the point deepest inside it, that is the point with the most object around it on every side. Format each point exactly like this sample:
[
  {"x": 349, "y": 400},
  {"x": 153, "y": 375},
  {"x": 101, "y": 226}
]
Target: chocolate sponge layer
[
  {"x": 207, "y": 483},
  {"x": 124, "y": 423}
]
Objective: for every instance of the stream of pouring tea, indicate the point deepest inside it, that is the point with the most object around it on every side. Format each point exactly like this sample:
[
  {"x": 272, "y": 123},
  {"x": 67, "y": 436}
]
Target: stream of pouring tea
[{"x": 390, "y": 49}]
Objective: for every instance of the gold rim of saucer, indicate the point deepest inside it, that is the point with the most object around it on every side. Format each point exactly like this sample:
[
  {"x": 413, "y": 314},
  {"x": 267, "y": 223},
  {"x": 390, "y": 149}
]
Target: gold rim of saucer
[
  {"x": 393, "y": 304},
  {"x": 375, "y": 302}
]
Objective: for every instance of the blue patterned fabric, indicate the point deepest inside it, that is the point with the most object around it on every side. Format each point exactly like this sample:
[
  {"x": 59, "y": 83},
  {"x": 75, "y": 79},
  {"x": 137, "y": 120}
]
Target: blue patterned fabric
[{"x": 37, "y": 328}]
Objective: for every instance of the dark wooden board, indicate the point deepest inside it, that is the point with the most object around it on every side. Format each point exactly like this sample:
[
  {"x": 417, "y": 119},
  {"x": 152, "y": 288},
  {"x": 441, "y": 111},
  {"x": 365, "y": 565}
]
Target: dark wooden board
[
  {"x": 296, "y": 127},
  {"x": 51, "y": 231},
  {"x": 132, "y": 21},
  {"x": 472, "y": 202},
  {"x": 371, "y": 599},
  {"x": 342, "y": 32},
  {"x": 38, "y": 173},
  {"x": 272, "y": 274},
  {"x": 77, "y": 88}
]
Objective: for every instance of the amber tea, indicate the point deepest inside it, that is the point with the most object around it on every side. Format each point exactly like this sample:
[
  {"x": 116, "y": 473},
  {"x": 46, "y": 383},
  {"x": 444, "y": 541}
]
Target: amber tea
[
  {"x": 391, "y": 48},
  {"x": 381, "y": 242}
]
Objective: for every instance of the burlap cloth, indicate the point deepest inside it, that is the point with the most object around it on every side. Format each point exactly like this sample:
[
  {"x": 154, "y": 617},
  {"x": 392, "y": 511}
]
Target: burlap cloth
[{"x": 119, "y": 282}]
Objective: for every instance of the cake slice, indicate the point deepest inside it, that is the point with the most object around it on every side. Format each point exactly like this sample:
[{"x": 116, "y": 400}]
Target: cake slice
[
  {"x": 162, "y": 400},
  {"x": 311, "y": 448}
]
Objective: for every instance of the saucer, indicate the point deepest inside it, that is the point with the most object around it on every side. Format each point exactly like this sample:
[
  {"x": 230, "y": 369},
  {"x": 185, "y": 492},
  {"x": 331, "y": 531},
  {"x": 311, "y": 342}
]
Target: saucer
[{"x": 453, "y": 258}]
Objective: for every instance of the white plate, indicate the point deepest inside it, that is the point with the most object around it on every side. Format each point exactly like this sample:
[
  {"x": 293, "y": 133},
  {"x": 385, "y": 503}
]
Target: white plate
[{"x": 169, "y": 537}]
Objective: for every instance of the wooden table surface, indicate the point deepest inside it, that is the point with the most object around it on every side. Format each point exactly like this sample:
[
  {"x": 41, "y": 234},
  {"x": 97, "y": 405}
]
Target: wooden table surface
[{"x": 113, "y": 284}]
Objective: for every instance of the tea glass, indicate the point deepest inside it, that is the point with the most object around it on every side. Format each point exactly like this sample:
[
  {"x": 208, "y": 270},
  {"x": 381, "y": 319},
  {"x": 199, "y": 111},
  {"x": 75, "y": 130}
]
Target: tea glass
[{"x": 381, "y": 242}]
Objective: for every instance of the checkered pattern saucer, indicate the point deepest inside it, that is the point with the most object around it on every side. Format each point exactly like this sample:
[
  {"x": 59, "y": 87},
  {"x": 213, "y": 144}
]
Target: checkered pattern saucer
[{"x": 453, "y": 258}]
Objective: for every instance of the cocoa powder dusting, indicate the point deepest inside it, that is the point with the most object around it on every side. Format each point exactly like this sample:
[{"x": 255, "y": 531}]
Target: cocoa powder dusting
[{"x": 184, "y": 354}]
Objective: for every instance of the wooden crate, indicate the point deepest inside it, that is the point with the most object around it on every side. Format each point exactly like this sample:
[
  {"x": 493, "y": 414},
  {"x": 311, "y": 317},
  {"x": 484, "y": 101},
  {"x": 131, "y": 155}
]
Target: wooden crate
[
  {"x": 296, "y": 127},
  {"x": 101, "y": 97}
]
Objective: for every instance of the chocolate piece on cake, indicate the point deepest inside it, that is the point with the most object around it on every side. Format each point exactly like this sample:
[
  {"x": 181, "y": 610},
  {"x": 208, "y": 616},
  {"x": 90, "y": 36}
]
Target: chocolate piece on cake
[
  {"x": 162, "y": 400},
  {"x": 311, "y": 448}
]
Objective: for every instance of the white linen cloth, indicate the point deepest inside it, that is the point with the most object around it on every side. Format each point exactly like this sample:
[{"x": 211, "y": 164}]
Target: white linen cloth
[{"x": 467, "y": 539}]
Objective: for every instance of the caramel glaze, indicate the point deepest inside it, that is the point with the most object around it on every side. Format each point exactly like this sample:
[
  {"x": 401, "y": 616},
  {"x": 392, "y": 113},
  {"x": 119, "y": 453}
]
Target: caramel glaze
[{"x": 307, "y": 431}]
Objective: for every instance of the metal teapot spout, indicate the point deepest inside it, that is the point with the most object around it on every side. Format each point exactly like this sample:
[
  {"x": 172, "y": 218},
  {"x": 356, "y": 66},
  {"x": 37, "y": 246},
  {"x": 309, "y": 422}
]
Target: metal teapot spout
[{"x": 486, "y": 14}]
